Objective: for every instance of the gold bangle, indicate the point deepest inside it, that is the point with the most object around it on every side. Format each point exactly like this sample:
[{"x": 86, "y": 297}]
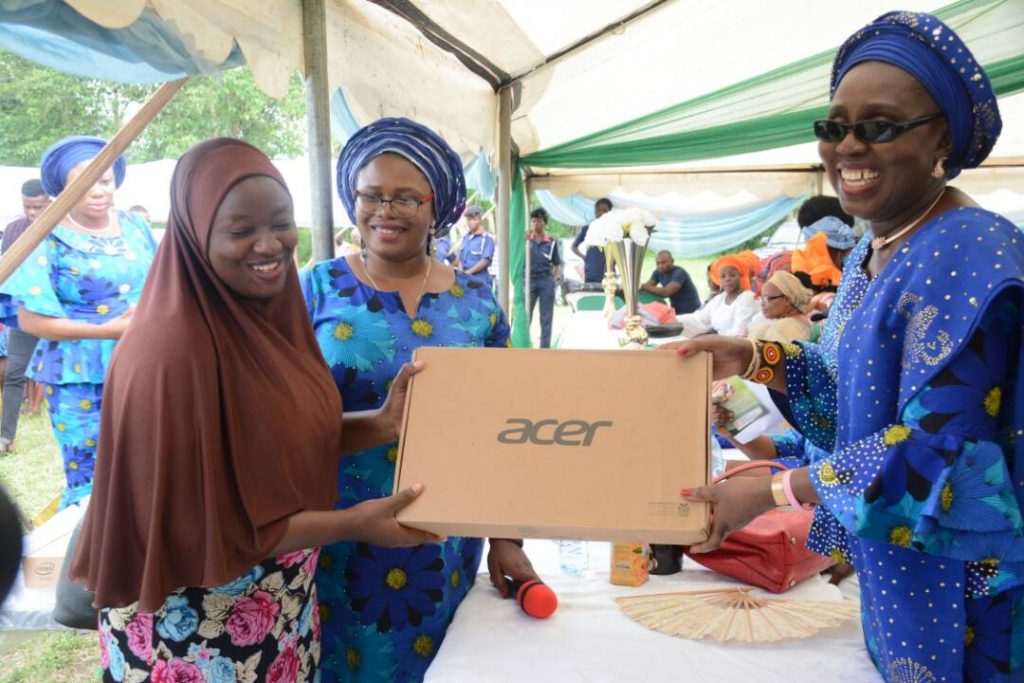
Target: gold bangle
[
  {"x": 779, "y": 490},
  {"x": 754, "y": 360}
]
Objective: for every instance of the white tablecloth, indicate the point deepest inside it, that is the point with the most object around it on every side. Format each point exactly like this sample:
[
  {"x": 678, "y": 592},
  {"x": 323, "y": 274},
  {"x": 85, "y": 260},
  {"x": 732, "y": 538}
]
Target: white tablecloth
[
  {"x": 589, "y": 330},
  {"x": 588, "y": 639}
]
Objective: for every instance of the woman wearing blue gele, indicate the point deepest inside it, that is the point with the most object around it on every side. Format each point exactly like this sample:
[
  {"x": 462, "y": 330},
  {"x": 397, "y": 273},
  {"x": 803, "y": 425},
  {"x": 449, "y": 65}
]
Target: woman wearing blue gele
[
  {"x": 912, "y": 402},
  {"x": 385, "y": 612},
  {"x": 75, "y": 292}
]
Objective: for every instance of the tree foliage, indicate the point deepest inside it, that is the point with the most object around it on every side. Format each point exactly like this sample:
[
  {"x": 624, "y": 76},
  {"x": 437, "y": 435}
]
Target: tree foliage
[{"x": 39, "y": 105}]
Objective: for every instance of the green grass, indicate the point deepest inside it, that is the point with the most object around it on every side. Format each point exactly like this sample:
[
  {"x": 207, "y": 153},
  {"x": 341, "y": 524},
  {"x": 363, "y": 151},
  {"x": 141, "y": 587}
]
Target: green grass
[
  {"x": 33, "y": 476},
  {"x": 53, "y": 657}
]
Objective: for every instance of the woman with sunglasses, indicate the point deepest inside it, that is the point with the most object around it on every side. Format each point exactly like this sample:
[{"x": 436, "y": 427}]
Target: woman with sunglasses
[
  {"x": 385, "y": 612},
  {"x": 912, "y": 401}
]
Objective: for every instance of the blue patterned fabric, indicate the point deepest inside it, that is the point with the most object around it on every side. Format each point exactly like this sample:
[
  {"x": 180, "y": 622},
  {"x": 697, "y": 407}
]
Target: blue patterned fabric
[
  {"x": 384, "y": 612},
  {"x": 931, "y": 52},
  {"x": 424, "y": 148},
  {"x": 86, "y": 279},
  {"x": 75, "y": 416},
  {"x": 916, "y": 383}
]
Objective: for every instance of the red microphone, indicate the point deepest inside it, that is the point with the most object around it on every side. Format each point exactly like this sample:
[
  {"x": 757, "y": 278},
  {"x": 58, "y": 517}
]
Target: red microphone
[{"x": 534, "y": 597}]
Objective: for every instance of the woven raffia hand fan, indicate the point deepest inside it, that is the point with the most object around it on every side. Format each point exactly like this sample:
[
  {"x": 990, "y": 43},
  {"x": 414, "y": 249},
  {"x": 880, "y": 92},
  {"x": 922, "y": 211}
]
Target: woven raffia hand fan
[{"x": 734, "y": 614}]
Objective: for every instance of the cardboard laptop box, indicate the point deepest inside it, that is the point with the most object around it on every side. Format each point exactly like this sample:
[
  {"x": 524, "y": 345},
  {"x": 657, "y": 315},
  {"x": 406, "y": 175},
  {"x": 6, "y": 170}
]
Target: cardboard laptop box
[{"x": 590, "y": 445}]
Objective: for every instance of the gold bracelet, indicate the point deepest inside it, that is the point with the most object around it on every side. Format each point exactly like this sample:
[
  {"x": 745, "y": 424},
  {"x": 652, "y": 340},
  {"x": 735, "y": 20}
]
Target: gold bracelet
[
  {"x": 779, "y": 490},
  {"x": 754, "y": 360}
]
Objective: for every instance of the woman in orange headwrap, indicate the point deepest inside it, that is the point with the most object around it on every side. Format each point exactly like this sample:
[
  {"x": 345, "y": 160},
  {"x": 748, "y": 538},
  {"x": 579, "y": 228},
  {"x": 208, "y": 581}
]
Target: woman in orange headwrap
[
  {"x": 730, "y": 311},
  {"x": 753, "y": 263},
  {"x": 815, "y": 260}
]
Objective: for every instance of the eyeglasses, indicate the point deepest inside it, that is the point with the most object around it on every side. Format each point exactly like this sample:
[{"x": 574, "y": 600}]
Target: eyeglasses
[
  {"x": 869, "y": 131},
  {"x": 403, "y": 206}
]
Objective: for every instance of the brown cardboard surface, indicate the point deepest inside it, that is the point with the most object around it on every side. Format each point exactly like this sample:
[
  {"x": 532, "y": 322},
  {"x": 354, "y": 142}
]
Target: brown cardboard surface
[
  {"x": 42, "y": 567},
  {"x": 632, "y": 426}
]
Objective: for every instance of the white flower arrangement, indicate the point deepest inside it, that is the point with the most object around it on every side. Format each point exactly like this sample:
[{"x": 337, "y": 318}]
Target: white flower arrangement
[{"x": 618, "y": 224}]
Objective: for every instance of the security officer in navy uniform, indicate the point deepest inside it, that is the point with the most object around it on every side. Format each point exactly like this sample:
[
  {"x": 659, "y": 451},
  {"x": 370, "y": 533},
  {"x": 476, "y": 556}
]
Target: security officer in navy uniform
[
  {"x": 477, "y": 249},
  {"x": 545, "y": 271}
]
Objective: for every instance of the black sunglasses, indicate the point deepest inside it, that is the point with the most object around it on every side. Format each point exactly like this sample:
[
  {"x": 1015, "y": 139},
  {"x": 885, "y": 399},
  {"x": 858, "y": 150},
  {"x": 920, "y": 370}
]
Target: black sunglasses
[{"x": 868, "y": 131}]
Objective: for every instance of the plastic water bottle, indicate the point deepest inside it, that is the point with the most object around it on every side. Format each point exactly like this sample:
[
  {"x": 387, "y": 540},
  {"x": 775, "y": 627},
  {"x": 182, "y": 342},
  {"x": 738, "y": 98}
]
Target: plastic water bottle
[
  {"x": 573, "y": 557},
  {"x": 717, "y": 457}
]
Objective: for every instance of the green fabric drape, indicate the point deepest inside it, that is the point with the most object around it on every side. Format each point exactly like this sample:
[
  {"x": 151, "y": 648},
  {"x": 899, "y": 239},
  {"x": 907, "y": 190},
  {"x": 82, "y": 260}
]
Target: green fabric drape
[
  {"x": 517, "y": 261},
  {"x": 776, "y": 109}
]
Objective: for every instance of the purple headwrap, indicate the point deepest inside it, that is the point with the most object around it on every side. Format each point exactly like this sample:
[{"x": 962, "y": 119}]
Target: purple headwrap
[
  {"x": 424, "y": 148},
  {"x": 931, "y": 52},
  {"x": 65, "y": 154}
]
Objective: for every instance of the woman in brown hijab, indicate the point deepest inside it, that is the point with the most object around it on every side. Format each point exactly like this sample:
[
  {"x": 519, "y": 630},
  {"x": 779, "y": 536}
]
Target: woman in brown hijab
[{"x": 220, "y": 431}]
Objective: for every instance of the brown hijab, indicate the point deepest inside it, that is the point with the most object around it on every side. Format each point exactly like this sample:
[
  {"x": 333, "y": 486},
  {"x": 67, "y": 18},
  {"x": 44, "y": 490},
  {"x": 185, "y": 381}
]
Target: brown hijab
[{"x": 219, "y": 420}]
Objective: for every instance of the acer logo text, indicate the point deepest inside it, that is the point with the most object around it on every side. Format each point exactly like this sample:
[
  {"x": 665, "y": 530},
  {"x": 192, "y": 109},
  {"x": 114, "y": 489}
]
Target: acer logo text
[{"x": 550, "y": 432}]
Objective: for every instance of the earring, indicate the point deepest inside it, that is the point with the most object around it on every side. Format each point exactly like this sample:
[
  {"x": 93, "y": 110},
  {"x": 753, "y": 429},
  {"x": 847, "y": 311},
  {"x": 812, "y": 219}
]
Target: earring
[
  {"x": 431, "y": 241},
  {"x": 939, "y": 171}
]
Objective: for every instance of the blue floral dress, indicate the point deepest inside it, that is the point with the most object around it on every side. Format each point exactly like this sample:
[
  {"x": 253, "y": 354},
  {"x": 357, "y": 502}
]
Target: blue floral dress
[
  {"x": 87, "y": 279},
  {"x": 385, "y": 612},
  {"x": 912, "y": 404},
  {"x": 263, "y": 627}
]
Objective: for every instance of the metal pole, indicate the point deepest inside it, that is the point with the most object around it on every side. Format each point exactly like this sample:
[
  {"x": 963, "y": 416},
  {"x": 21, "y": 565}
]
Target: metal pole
[
  {"x": 527, "y": 185},
  {"x": 504, "y": 192},
  {"x": 318, "y": 126}
]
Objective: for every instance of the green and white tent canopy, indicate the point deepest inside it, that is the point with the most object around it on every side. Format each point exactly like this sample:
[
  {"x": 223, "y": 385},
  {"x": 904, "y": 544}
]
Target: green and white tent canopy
[
  {"x": 599, "y": 85},
  {"x": 643, "y": 95}
]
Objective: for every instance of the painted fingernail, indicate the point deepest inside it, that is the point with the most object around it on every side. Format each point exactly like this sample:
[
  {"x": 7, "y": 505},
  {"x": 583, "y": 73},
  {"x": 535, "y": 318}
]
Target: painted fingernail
[{"x": 686, "y": 493}]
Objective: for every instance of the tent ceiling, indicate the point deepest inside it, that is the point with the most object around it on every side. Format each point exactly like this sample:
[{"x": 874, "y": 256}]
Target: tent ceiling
[{"x": 385, "y": 56}]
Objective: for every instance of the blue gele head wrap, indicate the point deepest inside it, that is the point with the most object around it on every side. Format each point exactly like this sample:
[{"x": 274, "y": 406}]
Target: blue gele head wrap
[
  {"x": 424, "y": 148},
  {"x": 65, "y": 154},
  {"x": 931, "y": 52},
  {"x": 838, "y": 234}
]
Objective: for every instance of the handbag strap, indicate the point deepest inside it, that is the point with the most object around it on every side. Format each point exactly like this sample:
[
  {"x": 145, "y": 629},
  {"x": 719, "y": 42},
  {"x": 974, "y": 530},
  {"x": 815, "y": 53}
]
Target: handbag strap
[{"x": 749, "y": 466}]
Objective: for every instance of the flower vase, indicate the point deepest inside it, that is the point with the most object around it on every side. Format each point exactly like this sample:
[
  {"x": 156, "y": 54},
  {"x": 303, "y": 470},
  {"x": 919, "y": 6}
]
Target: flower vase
[
  {"x": 630, "y": 257},
  {"x": 610, "y": 284}
]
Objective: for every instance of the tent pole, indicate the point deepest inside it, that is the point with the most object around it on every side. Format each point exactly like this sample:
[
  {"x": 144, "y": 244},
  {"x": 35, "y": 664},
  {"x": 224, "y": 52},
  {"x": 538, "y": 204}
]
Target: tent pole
[
  {"x": 76, "y": 189},
  {"x": 318, "y": 128},
  {"x": 527, "y": 188},
  {"x": 504, "y": 192}
]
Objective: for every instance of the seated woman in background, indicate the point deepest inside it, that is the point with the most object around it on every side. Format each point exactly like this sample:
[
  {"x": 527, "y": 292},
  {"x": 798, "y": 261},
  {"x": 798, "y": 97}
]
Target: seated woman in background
[
  {"x": 730, "y": 311},
  {"x": 825, "y": 214},
  {"x": 784, "y": 302}
]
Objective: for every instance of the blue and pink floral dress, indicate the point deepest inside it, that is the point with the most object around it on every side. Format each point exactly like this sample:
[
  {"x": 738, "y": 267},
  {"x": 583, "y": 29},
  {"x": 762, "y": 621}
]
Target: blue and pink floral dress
[{"x": 262, "y": 627}]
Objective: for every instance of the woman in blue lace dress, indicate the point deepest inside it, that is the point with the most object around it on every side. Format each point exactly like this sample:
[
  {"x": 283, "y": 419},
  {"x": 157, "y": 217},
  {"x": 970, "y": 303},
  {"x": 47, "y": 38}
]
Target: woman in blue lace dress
[
  {"x": 913, "y": 400},
  {"x": 75, "y": 293},
  {"x": 384, "y": 612}
]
